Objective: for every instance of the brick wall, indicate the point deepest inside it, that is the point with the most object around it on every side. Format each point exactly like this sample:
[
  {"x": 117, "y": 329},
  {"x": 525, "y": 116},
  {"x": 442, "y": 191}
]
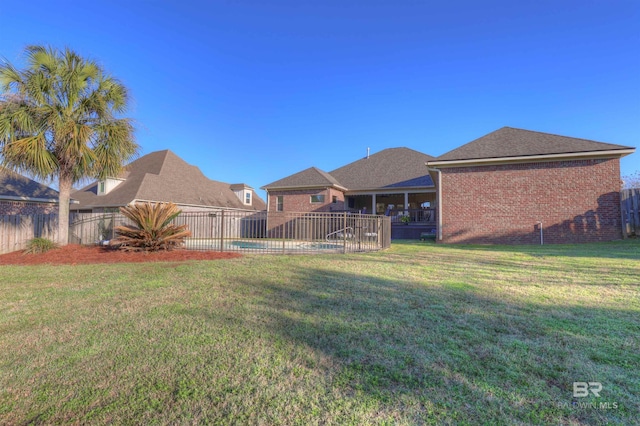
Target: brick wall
[
  {"x": 26, "y": 208},
  {"x": 577, "y": 201},
  {"x": 299, "y": 201}
]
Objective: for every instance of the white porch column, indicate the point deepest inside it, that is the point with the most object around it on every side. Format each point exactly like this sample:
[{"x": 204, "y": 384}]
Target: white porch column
[
  {"x": 406, "y": 203},
  {"x": 373, "y": 204}
]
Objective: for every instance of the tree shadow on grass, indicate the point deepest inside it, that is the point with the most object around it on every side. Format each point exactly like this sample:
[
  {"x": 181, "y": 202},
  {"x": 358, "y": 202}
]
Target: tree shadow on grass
[
  {"x": 624, "y": 249},
  {"x": 446, "y": 353},
  {"x": 448, "y": 261}
]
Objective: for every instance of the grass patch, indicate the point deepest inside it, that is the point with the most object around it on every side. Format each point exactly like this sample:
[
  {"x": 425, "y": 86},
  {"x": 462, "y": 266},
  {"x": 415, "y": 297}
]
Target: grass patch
[{"x": 420, "y": 333}]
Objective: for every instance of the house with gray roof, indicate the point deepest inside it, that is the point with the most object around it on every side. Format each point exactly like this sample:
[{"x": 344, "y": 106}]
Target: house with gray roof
[
  {"x": 394, "y": 176},
  {"x": 511, "y": 186},
  {"x": 516, "y": 186},
  {"x": 20, "y": 195},
  {"x": 162, "y": 176},
  {"x": 393, "y": 181}
]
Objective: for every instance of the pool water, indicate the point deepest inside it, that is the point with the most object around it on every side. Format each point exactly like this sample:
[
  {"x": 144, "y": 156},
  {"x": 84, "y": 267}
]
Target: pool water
[
  {"x": 325, "y": 246},
  {"x": 248, "y": 245}
]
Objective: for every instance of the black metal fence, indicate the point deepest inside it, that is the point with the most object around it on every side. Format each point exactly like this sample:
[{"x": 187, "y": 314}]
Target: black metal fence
[{"x": 256, "y": 232}]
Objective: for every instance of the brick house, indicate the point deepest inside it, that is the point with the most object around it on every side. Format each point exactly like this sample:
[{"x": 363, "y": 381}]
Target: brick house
[
  {"x": 20, "y": 195},
  {"x": 394, "y": 176},
  {"x": 162, "y": 176},
  {"x": 394, "y": 181},
  {"x": 516, "y": 186}
]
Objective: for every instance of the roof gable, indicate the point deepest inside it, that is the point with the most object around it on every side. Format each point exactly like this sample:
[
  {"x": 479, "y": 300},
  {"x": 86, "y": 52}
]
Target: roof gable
[
  {"x": 15, "y": 185},
  {"x": 311, "y": 177},
  {"x": 508, "y": 142}
]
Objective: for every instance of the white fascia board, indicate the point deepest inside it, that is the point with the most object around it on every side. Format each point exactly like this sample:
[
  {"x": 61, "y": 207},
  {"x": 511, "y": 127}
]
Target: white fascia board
[
  {"x": 532, "y": 158},
  {"x": 193, "y": 205}
]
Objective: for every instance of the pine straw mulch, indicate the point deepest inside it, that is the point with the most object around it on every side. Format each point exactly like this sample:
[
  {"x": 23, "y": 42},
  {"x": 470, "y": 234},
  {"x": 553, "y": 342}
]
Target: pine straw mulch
[{"x": 74, "y": 254}]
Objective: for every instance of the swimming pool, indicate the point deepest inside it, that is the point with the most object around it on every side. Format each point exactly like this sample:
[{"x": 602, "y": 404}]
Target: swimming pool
[{"x": 272, "y": 246}]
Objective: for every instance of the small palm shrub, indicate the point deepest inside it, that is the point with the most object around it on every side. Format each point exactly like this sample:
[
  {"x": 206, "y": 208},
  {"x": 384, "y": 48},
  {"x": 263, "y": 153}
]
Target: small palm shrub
[
  {"x": 39, "y": 245},
  {"x": 153, "y": 230}
]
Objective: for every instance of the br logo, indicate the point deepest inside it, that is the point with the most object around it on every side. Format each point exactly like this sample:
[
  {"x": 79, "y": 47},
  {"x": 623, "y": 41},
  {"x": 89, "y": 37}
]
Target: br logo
[{"x": 581, "y": 389}]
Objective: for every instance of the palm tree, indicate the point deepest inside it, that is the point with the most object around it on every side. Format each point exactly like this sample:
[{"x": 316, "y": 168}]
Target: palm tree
[{"x": 60, "y": 119}]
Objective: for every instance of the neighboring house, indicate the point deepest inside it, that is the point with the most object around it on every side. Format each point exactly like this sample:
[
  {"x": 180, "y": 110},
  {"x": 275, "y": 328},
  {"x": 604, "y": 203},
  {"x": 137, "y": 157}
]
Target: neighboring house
[
  {"x": 393, "y": 177},
  {"x": 517, "y": 186},
  {"x": 20, "y": 195},
  {"x": 162, "y": 176}
]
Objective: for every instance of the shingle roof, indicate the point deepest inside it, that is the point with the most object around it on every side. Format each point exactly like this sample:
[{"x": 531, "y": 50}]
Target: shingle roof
[
  {"x": 509, "y": 142},
  {"x": 389, "y": 168},
  {"x": 311, "y": 177},
  {"x": 15, "y": 185},
  {"x": 163, "y": 176}
]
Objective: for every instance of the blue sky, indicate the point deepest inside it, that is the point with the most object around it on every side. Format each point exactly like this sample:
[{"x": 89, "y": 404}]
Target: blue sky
[{"x": 252, "y": 91}]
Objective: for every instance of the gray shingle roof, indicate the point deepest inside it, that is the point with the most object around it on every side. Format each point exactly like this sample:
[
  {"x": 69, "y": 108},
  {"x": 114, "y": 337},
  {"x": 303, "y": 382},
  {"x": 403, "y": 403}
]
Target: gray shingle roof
[
  {"x": 13, "y": 184},
  {"x": 311, "y": 177},
  {"x": 163, "y": 176},
  {"x": 509, "y": 142},
  {"x": 389, "y": 168}
]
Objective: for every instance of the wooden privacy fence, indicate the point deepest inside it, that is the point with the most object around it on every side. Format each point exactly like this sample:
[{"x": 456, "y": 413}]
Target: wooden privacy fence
[
  {"x": 630, "y": 207},
  {"x": 17, "y": 230}
]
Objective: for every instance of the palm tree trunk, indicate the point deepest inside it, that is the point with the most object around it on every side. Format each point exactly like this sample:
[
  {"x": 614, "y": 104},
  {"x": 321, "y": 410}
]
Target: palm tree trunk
[{"x": 63, "y": 210}]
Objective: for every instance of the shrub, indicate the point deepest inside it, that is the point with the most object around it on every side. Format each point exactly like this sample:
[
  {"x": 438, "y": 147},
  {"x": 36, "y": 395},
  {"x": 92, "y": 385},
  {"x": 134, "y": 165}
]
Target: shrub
[
  {"x": 153, "y": 230},
  {"x": 39, "y": 245}
]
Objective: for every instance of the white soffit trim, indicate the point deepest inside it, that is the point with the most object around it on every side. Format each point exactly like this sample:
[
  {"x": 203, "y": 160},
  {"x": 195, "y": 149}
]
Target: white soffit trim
[{"x": 532, "y": 158}]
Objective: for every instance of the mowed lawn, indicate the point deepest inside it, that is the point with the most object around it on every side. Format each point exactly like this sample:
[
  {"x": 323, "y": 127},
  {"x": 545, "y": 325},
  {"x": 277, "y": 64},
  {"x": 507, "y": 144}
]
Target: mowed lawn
[{"x": 418, "y": 334}]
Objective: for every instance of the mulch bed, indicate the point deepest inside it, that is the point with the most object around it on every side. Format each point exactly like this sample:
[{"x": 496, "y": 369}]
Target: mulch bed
[{"x": 73, "y": 254}]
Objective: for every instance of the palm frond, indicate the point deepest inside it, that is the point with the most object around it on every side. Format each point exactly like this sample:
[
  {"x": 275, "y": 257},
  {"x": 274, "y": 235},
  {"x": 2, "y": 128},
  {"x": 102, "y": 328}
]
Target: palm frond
[
  {"x": 152, "y": 229},
  {"x": 72, "y": 104}
]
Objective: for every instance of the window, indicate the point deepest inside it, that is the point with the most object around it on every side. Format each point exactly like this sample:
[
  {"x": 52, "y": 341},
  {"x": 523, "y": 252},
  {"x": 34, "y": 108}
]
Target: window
[
  {"x": 101, "y": 188},
  {"x": 279, "y": 203},
  {"x": 334, "y": 199},
  {"x": 317, "y": 198},
  {"x": 247, "y": 197}
]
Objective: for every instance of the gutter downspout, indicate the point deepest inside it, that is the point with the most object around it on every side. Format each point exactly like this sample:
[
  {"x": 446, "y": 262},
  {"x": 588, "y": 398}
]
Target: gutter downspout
[
  {"x": 439, "y": 190},
  {"x": 541, "y": 235}
]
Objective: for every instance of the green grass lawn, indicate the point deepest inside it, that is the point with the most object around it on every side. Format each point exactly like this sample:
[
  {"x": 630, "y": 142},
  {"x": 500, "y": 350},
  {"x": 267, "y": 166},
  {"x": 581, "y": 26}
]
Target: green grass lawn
[{"x": 418, "y": 334}]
